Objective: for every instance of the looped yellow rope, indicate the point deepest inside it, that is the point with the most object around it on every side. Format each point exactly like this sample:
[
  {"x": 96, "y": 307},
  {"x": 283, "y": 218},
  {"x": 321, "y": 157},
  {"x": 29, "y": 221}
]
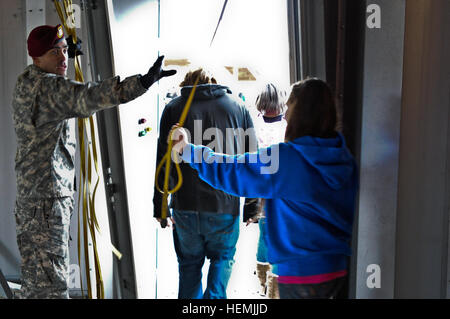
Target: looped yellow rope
[
  {"x": 90, "y": 222},
  {"x": 167, "y": 159}
]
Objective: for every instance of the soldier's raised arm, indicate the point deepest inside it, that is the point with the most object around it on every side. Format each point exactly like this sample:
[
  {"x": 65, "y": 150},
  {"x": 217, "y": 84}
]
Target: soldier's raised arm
[
  {"x": 51, "y": 96},
  {"x": 60, "y": 98}
]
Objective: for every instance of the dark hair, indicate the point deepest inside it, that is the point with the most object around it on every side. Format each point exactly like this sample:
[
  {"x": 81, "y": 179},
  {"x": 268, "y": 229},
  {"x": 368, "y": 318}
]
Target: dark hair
[
  {"x": 204, "y": 76},
  {"x": 312, "y": 110},
  {"x": 271, "y": 100}
]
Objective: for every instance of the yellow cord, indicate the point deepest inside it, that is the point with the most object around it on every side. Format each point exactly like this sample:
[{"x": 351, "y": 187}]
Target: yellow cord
[
  {"x": 89, "y": 216},
  {"x": 167, "y": 159}
]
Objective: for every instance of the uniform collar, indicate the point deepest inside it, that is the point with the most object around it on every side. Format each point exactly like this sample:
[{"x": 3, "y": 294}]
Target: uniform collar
[{"x": 35, "y": 70}]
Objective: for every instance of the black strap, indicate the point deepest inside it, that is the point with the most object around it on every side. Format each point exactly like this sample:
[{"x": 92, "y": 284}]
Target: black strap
[
  {"x": 5, "y": 286},
  {"x": 220, "y": 20}
]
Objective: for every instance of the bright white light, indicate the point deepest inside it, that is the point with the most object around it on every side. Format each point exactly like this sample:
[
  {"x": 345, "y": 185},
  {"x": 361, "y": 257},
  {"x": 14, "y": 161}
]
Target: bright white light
[{"x": 253, "y": 34}]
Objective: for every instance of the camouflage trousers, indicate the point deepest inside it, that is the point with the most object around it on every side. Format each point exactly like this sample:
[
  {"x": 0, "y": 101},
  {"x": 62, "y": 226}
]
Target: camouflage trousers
[{"x": 43, "y": 240}]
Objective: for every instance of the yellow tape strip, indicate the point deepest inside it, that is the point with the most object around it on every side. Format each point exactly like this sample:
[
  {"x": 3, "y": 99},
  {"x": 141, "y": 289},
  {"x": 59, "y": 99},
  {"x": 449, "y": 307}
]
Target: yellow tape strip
[
  {"x": 88, "y": 207},
  {"x": 80, "y": 131},
  {"x": 116, "y": 252}
]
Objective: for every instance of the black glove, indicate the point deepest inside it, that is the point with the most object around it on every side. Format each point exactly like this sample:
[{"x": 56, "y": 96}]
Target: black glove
[
  {"x": 74, "y": 49},
  {"x": 155, "y": 73}
]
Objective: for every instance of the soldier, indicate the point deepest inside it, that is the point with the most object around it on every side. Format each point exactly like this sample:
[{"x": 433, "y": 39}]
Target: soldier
[{"x": 44, "y": 100}]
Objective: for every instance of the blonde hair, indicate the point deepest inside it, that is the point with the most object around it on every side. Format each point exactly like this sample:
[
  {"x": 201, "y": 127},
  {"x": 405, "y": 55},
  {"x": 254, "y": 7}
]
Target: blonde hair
[{"x": 205, "y": 77}]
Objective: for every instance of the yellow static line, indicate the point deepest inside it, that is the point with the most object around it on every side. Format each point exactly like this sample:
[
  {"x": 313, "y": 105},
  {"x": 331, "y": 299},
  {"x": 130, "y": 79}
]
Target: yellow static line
[
  {"x": 167, "y": 159},
  {"x": 89, "y": 216}
]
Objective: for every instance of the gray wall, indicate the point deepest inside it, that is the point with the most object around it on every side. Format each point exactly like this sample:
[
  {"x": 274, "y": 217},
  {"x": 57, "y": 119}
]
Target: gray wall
[
  {"x": 405, "y": 173},
  {"x": 424, "y": 175},
  {"x": 12, "y": 62},
  {"x": 380, "y": 138}
]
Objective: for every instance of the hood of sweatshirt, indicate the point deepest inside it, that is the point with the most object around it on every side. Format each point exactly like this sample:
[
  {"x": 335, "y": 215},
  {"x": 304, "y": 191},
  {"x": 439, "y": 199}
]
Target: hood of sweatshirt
[
  {"x": 206, "y": 91},
  {"x": 329, "y": 156}
]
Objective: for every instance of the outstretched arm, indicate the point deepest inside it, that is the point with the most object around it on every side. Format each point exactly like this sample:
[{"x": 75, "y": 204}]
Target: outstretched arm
[
  {"x": 62, "y": 98},
  {"x": 245, "y": 175}
]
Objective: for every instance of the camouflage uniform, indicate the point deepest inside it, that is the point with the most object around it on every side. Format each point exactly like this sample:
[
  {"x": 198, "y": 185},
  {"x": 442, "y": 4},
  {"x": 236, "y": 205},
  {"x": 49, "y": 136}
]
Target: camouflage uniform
[{"x": 43, "y": 103}]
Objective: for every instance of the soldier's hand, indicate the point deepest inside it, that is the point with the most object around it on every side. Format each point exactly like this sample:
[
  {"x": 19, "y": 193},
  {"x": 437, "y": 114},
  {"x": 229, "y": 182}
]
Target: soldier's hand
[
  {"x": 74, "y": 49},
  {"x": 156, "y": 73}
]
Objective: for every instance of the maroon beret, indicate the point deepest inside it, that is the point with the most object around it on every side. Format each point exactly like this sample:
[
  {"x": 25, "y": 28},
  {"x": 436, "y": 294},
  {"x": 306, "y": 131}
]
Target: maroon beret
[{"x": 43, "y": 38}]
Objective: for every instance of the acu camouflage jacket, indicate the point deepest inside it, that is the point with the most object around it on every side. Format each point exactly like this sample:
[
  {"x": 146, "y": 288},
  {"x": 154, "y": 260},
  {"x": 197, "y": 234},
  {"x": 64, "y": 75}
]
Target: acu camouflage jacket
[{"x": 42, "y": 104}]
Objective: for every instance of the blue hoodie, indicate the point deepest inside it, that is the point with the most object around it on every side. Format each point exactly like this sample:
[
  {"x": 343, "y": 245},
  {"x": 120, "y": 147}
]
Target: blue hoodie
[{"x": 310, "y": 193}]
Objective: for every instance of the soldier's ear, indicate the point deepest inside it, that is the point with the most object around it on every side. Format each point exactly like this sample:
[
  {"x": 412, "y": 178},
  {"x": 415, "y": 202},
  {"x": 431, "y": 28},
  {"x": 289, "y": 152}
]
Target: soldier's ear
[{"x": 36, "y": 61}]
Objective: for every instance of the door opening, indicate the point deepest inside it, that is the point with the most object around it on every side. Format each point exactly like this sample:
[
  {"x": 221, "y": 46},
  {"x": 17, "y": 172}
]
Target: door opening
[{"x": 250, "y": 48}]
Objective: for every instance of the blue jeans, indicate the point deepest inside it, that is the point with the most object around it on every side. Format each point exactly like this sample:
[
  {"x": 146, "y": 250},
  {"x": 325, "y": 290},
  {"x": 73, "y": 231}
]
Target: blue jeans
[
  {"x": 198, "y": 235},
  {"x": 261, "y": 253}
]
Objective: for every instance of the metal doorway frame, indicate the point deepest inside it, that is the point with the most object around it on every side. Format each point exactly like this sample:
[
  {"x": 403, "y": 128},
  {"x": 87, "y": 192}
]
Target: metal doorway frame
[{"x": 100, "y": 50}]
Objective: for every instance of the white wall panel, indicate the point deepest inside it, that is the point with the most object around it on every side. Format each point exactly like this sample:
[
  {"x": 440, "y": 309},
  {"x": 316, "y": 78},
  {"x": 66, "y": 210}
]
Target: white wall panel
[{"x": 12, "y": 61}]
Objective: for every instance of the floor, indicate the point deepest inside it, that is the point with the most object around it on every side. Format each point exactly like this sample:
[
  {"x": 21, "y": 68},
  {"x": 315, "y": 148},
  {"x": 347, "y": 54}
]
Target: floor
[{"x": 243, "y": 283}]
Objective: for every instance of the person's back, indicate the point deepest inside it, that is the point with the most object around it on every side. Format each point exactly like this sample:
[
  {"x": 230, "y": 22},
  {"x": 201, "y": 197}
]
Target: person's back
[
  {"x": 212, "y": 120},
  {"x": 310, "y": 192},
  {"x": 315, "y": 189},
  {"x": 215, "y": 119}
]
